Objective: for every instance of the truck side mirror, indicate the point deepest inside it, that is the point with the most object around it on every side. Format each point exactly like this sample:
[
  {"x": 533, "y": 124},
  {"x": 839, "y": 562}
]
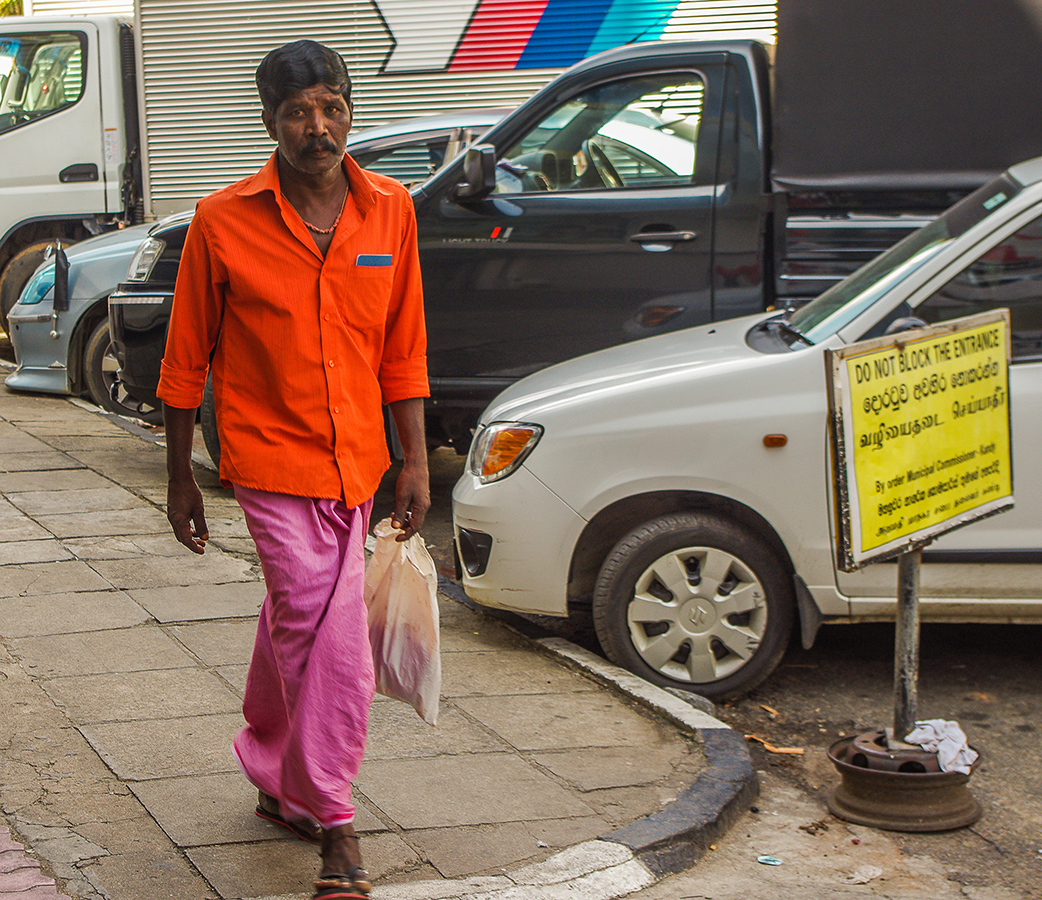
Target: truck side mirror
[
  {"x": 479, "y": 173},
  {"x": 61, "y": 280}
]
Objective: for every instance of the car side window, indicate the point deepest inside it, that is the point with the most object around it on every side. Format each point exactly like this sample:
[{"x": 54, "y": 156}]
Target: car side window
[
  {"x": 414, "y": 161},
  {"x": 408, "y": 163},
  {"x": 39, "y": 75},
  {"x": 631, "y": 133},
  {"x": 1007, "y": 276}
]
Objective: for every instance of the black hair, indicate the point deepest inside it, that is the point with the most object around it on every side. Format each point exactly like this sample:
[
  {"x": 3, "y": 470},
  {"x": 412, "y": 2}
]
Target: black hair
[{"x": 299, "y": 65}]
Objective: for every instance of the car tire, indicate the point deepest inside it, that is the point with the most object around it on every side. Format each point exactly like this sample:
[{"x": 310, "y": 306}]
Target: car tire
[
  {"x": 696, "y": 602},
  {"x": 102, "y": 379},
  {"x": 16, "y": 276},
  {"x": 208, "y": 423}
]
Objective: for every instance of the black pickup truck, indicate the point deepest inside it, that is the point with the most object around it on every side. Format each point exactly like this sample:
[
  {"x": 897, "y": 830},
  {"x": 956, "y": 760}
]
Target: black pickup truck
[{"x": 666, "y": 184}]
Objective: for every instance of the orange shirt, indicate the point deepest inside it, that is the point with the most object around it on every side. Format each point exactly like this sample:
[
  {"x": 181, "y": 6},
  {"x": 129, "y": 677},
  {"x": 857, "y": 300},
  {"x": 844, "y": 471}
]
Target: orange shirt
[{"x": 305, "y": 349}]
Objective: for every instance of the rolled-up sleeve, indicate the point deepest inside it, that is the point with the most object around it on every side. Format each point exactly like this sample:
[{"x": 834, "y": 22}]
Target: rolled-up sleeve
[
  {"x": 194, "y": 321},
  {"x": 403, "y": 364}
]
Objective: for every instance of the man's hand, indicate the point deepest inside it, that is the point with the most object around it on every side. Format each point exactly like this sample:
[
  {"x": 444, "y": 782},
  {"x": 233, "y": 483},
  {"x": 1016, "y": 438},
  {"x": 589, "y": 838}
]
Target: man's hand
[
  {"x": 412, "y": 499},
  {"x": 184, "y": 510},
  {"x": 184, "y": 500},
  {"x": 412, "y": 494}
]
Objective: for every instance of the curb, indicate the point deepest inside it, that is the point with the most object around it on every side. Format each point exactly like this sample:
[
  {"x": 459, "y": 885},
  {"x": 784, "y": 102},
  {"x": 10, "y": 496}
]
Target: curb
[
  {"x": 663, "y": 843},
  {"x": 677, "y": 836},
  {"x": 639, "y": 854}
]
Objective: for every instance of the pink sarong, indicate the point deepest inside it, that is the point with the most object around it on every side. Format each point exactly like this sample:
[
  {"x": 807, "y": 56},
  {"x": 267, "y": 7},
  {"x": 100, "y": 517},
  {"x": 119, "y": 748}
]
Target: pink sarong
[{"x": 311, "y": 679}]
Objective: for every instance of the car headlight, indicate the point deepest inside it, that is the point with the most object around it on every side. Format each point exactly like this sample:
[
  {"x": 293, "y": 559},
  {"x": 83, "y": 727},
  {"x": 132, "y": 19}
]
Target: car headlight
[
  {"x": 145, "y": 259},
  {"x": 500, "y": 448},
  {"x": 38, "y": 287}
]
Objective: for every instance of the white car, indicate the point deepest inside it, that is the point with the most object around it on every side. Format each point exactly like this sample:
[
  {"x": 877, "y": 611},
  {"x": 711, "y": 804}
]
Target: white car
[{"x": 647, "y": 478}]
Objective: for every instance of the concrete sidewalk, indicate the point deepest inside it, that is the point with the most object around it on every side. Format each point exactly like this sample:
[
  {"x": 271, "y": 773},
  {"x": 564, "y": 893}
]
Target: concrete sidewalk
[{"x": 122, "y": 663}]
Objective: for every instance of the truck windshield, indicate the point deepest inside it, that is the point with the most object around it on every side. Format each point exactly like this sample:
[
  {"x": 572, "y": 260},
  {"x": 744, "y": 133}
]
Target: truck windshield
[
  {"x": 39, "y": 74},
  {"x": 840, "y": 305}
]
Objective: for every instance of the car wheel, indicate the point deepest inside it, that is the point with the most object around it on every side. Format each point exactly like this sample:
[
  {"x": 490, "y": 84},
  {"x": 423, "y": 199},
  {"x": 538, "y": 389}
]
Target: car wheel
[
  {"x": 100, "y": 372},
  {"x": 16, "y": 276},
  {"x": 208, "y": 423},
  {"x": 696, "y": 602}
]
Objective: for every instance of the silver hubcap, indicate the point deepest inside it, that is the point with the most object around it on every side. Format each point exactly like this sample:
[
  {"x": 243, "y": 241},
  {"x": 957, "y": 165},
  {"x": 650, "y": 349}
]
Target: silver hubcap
[{"x": 698, "y": 614}]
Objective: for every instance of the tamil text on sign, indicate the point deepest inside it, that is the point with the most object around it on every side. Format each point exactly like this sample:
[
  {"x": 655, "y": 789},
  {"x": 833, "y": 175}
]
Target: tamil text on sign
[{"x": 921, "y": 428}]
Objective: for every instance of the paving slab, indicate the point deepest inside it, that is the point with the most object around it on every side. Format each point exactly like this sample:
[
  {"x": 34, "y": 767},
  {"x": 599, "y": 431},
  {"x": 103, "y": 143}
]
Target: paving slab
[
  {"x": 144, "y": 467},
  {"x": 203, "y": 810},
  {"x": 46, "y": 550},
  {"x": 122, "y": 546},
  {"x": 505, "y": 672},
  {"x": 50, "y": 578},
  {"x": 101, "y": 522},
  {"x": 68, "y": 500},
  {"x": 572, "y": 720},
  {"x": 455, "y": 790},
  {"x": 100, "y": 652},
  {"x": 396, "y": 732},
  {"x": 38, "y": 461},
  {"x": 213, "y": 568},
  {"x": 218, "y": 643},
  {"x": 201, "y": 602},
  {"x": 70, "y": 479},
  {"x": 126, "y": 697},
  {"x": 166, "y": 748},
  {"x": 67, "y": 613}
]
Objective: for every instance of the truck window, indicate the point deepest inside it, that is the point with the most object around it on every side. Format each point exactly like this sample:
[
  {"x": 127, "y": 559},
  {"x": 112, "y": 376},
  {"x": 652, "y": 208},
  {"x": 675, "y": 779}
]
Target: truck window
[
  {"x": 1007, "y": 276},
  {"x": 632, "y": 133},
  {"x": 39, "y": 75}
]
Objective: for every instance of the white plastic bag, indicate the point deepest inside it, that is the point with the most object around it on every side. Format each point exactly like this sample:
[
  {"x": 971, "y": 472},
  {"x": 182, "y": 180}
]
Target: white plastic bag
[{"x": 401, "y": 592}]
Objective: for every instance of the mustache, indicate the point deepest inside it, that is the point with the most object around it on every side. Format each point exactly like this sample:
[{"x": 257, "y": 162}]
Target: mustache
[{"x": 319, "y": 143}]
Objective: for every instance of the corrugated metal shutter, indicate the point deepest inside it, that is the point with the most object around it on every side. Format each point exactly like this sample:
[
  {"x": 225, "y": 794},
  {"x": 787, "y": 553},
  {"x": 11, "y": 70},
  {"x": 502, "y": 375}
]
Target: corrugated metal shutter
[
  {"x": 78, "y": 8},
  {"x": 201, "y": 109},
  {"x": 201, "y": 106}
]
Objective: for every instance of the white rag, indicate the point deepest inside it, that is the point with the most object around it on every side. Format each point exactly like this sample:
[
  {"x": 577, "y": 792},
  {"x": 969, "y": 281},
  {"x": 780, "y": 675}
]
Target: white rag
[{"x": 947, "y": 740}]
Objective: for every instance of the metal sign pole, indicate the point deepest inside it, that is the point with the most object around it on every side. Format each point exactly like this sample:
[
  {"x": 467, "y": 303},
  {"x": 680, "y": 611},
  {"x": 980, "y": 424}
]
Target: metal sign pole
[{"x": 906, "y": 643}]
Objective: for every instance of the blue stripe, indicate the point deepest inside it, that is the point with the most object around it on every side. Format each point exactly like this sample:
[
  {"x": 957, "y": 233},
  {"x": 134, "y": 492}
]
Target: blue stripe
[
  {"x": 564, "y": 34},
  {"x": 630, "y": 21},
  {"x": 374, "y": 259}
]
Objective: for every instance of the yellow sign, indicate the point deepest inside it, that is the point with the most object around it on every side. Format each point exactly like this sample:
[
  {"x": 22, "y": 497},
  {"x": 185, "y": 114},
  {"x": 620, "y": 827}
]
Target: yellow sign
[{"x": 921, "y": 426}]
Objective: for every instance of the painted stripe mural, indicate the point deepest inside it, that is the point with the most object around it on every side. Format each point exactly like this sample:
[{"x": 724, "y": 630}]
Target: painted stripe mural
[{"x": 487, "y": 35}]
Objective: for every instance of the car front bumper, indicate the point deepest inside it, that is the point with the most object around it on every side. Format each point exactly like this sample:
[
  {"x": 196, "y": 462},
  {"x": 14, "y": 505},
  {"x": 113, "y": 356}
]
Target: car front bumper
[
  {"x": 41, "y": 359},
  {"x": 517, "y": 537}
]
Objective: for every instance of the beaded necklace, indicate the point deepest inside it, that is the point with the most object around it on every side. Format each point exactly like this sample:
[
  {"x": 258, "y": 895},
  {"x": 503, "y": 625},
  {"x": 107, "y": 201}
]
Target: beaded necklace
[{"x": 336, "y": 221}]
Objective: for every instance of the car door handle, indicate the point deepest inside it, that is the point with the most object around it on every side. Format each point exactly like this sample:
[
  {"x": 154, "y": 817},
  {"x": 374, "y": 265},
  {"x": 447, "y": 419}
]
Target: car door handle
[{"x": 662, "y": 237}]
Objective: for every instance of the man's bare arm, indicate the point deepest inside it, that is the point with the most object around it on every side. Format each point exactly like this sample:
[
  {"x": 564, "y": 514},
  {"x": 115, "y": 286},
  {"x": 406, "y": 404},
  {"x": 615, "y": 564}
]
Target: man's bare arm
[
  {"x": 184, "y": 500},
  {"x": 412, "y": 496}
]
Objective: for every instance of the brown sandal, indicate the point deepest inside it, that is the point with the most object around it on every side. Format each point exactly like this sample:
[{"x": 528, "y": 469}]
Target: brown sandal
[
  {"x": 306, "y": 829},
  {"x": 335, "y": 887},
  {"x": 354, "y": 882}
]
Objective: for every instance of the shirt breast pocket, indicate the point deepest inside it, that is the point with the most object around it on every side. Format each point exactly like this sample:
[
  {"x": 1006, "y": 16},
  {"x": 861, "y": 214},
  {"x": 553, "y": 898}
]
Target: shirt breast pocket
[{"x": 368, "y": 290}]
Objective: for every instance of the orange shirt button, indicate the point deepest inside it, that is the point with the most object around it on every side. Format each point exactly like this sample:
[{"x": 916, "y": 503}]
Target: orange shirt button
[
  {"x": 331, "y": 364},
  {"x": 336, "y": 409}
]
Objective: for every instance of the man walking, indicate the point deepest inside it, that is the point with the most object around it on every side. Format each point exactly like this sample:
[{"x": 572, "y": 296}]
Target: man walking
[{"x": 302, "y": 283}]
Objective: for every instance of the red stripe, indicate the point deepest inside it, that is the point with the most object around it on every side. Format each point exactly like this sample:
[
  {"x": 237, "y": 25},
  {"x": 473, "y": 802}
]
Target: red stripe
[{"x": 498, "y": 35}]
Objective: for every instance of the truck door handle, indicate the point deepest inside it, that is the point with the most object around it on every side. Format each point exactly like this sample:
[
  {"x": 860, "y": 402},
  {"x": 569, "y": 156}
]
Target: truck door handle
[
  {"x": 661, "y": 241},
  {"x": 79, "y": 172},
  {"x": 663, "y": 237}
]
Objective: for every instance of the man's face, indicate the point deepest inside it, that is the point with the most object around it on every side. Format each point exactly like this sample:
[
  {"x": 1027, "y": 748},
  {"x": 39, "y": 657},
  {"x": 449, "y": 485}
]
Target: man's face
[{"x": 311, "y": 128}]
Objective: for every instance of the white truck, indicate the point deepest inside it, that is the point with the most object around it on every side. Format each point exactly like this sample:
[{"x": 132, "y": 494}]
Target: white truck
[{"x": 121, "y": 112}]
